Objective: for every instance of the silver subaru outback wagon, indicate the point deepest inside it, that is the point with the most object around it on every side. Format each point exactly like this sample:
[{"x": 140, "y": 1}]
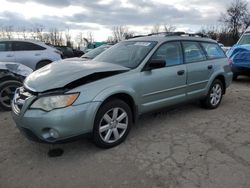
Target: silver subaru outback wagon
[{"x": 105, "y": 96}]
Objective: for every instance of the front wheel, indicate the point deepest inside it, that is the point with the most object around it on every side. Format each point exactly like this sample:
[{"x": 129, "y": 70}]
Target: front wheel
[
  {"x": 7, "y": 91},
  {"x": 112, "y": 124},
  {"x": 214, "y": 96}
]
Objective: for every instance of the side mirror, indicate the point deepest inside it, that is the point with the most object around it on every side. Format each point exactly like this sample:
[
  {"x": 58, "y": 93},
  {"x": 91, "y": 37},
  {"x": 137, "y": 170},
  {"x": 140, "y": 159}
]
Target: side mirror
[{"x": 156, "y": 64}]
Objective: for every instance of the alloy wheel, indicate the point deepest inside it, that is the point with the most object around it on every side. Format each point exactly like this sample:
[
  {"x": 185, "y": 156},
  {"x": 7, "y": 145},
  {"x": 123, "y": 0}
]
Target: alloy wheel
[
  {"x": 216, "y": 94},
  {"x": 113, "y": 125}
]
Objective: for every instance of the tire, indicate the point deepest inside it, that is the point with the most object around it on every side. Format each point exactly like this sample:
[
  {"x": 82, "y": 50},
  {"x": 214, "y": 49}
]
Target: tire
[
  {"x": 235, "y": 76},
  {"x": 7, "y": 90},
  {"x": 42, "y": 64},
  {"x": 111, "y": 130},
  {"x": 214, "y": 96}
]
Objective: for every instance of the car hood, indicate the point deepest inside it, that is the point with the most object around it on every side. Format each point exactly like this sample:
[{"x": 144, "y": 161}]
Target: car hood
[{"x": 60, "y": 74}]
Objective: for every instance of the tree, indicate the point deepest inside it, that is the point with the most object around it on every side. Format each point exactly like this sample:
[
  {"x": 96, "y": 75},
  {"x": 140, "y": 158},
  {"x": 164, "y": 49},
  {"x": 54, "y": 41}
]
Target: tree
[
  {"x": 156, "y": 28},
  {"x": 169, "y": 28},
  {"x": 234, "y": 18},
  {"x": 38, "y": 32},
  {"x": 8, "y": 31},
  {"x": 68, "y": 38},
  {"x": 90, "y": 37},
  {"x": 246, "y": 20},
  {"x": 80, "y": 40},
  {"x": 22, "y": 31},
  {"x": 120, "y": 33}
]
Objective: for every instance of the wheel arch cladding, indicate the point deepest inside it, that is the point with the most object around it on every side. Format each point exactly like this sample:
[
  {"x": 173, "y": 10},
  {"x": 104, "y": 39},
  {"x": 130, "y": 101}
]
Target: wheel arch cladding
[
  {"x": 222, "y": 79},
  {"x": 127, "y": 99}
]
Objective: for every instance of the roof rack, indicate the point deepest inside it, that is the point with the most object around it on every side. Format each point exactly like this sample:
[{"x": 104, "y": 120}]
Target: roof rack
[
  {"x": 180, "y": 34},
  {"x": 167, "y": 34}
]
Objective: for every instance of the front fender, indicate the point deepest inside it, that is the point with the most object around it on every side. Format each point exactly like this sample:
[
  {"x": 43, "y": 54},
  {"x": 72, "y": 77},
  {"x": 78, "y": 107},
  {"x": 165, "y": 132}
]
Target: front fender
[{"x": 108, "y": 92}]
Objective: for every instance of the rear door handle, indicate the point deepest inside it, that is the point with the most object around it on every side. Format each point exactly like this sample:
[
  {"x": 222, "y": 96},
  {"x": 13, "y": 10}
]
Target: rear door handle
[
  {"x": 181, "y": 72},
  {"x": 210, "y": 67},
  {"x": 9, "y": 55},
  {"x": 37, "y": 54}
]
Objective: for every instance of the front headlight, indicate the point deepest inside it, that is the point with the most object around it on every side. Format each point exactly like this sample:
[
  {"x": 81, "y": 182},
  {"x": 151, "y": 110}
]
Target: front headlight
[{"x": 54, "y": 102}]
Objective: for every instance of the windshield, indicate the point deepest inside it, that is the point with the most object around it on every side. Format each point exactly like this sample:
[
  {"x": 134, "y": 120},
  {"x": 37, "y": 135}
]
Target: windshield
[
  {"x": 128, "y": 53},
  {"x": 245, "y": 39},
  {"x": 95, "y": 52}
]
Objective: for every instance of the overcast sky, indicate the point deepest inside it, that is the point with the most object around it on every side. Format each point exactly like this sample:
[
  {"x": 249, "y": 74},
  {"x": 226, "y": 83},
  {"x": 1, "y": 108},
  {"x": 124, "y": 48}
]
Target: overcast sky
[{"x": 99, "y": 16}]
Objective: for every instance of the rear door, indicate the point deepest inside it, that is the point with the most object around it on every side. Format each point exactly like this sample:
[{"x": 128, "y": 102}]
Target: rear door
[
  {"x": 164, "y": 86},
  {"x": 6, "y": 53},
  {"x": 28, "y": 53},
  {"x": 199, "y": 69}
]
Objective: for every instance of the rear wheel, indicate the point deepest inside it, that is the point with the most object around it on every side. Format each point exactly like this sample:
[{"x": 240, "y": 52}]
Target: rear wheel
[
  {"x": 7, "y": 91},
  {"x": 42, "y": 64},
  {"x": 214, "y": 96},
  {"x": 112, "y": 124}
]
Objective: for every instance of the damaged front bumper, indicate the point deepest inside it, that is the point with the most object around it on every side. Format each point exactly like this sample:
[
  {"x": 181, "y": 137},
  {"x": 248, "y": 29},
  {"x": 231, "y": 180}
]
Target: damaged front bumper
[{"x": 56, "y": 126}]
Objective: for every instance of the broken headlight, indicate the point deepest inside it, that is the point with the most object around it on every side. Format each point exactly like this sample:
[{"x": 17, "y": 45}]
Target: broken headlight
[{"x": 49, "y": 103}]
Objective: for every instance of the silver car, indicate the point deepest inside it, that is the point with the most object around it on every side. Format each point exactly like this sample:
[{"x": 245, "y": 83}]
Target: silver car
[
  {"x": 31, "y": 53},
  {"x": 104, "y": 97}
]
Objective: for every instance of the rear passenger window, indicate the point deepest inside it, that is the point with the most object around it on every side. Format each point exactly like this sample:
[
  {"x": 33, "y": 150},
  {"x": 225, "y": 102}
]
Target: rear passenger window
[
  {"x": 213, "y": 50},
  {"x": 5, "y": 46},
  {"x": 26, "y": 46},
  {"x": 193, "y": 52},
  {"x": 170, "y": 52}
]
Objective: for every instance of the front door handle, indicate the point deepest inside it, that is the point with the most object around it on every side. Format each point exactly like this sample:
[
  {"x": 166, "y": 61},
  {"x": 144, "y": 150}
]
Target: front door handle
[
  {"x": 181, "y": 72},
  {"x": 9, "y": 55},
  {"x": 210, "y": 67}
]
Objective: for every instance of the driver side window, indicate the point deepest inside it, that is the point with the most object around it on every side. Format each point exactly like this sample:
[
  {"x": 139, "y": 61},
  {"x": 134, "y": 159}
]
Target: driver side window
[{"x": 171, "y": 53}]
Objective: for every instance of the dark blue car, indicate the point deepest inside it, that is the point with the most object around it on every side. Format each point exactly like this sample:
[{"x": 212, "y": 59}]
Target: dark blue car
[{"x": 240, "y": 56}]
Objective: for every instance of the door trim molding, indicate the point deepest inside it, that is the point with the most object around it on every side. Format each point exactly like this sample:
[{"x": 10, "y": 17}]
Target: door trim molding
[{"x": 163, "y": 91}]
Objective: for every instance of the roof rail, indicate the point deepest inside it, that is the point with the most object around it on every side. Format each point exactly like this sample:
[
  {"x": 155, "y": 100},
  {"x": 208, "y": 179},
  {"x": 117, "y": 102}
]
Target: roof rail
[
  {"x": 180, "y": 34},
  {"x": 167, "y": 34}
]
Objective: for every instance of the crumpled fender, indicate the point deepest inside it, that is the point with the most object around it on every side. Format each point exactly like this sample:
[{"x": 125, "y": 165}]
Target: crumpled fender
[{"x": 15, "y": 69}]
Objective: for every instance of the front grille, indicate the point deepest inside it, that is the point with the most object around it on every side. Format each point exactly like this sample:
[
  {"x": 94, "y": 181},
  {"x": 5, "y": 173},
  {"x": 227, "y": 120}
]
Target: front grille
[{"x": 20, "y": 97}]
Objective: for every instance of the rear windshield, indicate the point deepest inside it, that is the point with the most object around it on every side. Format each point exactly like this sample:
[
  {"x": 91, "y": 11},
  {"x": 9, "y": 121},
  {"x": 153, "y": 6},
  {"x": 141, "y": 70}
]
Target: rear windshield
[
  {"x": 245, "y": 39},
  {"x": 128, "y": 53}
]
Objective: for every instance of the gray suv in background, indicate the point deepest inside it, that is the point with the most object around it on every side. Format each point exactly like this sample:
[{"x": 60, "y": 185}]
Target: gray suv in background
[
  {"x": 105, "y": 96},
  {"x": 34, "y": 54}
]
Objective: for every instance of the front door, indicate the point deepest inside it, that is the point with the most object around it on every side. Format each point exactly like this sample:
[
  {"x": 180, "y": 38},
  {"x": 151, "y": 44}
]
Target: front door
[{"x": 164, "y": 86}]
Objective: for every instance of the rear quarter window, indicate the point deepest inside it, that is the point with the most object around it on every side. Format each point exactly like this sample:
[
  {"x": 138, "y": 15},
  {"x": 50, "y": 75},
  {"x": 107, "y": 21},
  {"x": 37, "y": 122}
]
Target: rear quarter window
[{"x": 213, "y": 50}]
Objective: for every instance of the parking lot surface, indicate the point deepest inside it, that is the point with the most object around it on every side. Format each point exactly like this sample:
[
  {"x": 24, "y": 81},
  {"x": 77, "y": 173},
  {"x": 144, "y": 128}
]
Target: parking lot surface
[{"x": 184, "y": 147}]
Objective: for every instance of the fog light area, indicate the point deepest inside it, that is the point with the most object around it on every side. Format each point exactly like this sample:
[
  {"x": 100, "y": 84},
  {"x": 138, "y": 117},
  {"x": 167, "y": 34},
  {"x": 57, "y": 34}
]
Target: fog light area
[{"x": 50, "y": 134}]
